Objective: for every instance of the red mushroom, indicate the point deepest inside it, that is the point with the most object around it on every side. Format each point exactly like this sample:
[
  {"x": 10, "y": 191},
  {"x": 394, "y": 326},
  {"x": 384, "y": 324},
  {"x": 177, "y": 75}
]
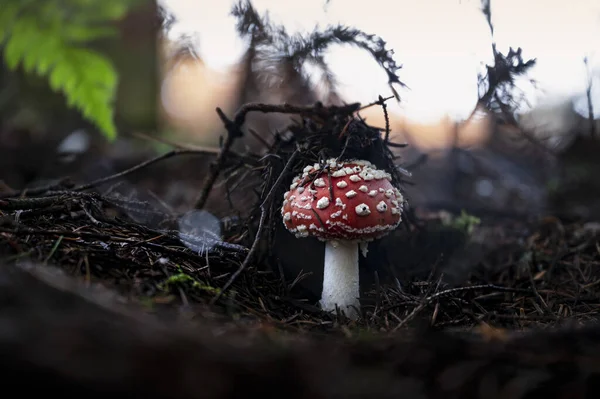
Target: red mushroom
[{"x": 346, "y": 204}]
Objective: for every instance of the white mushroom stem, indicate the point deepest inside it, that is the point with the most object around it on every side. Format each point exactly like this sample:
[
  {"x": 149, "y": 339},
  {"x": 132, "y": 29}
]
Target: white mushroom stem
[{"x": 340, "y": 278}]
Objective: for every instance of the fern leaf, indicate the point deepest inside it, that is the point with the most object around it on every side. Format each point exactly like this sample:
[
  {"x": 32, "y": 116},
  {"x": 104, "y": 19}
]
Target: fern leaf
[
  {"x": 78, "y": 34},
  {"x": 87, "y": 79},
  {"x": 48, "y": 38},
  {"x": 54, "y": 48},
  {"x": 14, "y": 50},
  {"x": 48, "y": 55}
]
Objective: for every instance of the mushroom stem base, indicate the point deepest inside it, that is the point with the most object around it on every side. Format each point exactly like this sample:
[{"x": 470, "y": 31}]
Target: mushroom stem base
[{"x": 340, "y": 278}]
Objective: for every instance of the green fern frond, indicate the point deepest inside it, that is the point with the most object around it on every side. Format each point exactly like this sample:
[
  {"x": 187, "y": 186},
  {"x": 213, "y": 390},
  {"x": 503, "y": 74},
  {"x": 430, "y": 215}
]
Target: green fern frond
[{"x": 49, "y": 39}]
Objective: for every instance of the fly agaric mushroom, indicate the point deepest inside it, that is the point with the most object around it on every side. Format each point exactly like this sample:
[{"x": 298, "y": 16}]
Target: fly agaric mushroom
[{"x": 346, "y": 205}]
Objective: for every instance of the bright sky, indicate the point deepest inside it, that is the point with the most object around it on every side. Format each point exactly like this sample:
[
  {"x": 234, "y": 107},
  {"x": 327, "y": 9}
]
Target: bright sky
[{"x": 442, "y": 44}]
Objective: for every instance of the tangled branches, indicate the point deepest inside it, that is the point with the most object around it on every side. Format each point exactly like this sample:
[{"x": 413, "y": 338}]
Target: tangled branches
[{"x": 272, "y": 47}]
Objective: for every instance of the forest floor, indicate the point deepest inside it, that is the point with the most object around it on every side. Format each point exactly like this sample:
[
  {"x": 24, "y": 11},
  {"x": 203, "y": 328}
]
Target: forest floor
[
  {"x": 482, "y": 307},
  {"x": 539, "y": 274}
]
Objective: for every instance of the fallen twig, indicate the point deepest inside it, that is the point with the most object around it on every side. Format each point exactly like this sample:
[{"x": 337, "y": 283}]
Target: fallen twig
[{"x": 257, "y": 237}]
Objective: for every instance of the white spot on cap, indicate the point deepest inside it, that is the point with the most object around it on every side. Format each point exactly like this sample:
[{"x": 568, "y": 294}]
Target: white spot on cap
[
  {"x": 345, "y": 217},
  {"x": 382, "y": 206},
  {"x": 323, "y": 203},
  {"x": 342, "y": 184},
  {"x": 287, "y": 216},
  {"x": 348, "y": 170},
  {"x": 381, "y": 190},
  {"x": 363, "y": 162},
  {"x": 389, "y": 193},
  {"x": 354, "y": 178},
  {"x": 366, "y": 175},
  {"x": 372, "y": 193},
  {"x": 357, "y": 169},
  {"x": 339, "y": 173},
  {"x": 293, "y": 186},
  {"x": 339, "y": 202},
  {"x": 336, "y": 214},
  {"x": 300, "y": 190},
  {"x": 307, "y": 169},
  {"x": 320, "y": 182},
  {"x": 351, "y": 194},
  {"x": 395, "y": 211},
  {"x": 301, "y": 227},
  {"x": 363, "y": 188},
  {"x": 362, "y": 210}
]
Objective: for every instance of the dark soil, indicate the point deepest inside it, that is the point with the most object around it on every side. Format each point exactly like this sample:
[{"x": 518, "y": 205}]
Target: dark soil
[{"x": 220, "y": 299}]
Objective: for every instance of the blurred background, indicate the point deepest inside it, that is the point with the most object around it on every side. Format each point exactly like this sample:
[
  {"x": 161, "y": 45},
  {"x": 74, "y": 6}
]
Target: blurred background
[
  {"x": 194, "y": 59},
  {"x": 442, "y": 46}
]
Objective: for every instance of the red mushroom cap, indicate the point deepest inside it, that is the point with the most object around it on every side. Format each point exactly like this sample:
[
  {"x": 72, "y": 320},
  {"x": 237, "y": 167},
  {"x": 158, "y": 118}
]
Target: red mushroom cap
[{"x": 350, "y": 200}]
